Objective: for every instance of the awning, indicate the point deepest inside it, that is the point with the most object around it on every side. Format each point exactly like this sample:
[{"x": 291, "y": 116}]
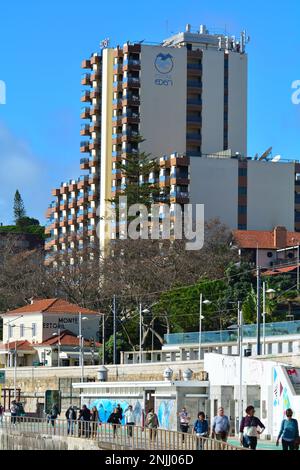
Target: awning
[{"x": 70, "y": 354}]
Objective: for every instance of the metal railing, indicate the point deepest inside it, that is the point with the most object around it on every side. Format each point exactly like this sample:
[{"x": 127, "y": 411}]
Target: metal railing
[{"x": 130, "y": 437}]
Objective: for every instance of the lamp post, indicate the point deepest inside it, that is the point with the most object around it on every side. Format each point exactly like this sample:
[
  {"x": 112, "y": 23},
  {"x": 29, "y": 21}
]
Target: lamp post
[
  {"x": 201, "y": 317},
  {"x": 141, "y": 330},
  {"x": 270, "y": 293},
  {"x": 58, "y": 346},
  {"x": 81, "y": 346}
]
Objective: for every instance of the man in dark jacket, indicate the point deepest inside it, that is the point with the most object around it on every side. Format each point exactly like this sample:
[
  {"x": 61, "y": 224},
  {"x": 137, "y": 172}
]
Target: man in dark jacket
[
  {"x": 115, "y": 420},
  {"x": 71, "y": 419},
  {"x": 120, "y": 411},
  {"x": 84, "y": 422}
]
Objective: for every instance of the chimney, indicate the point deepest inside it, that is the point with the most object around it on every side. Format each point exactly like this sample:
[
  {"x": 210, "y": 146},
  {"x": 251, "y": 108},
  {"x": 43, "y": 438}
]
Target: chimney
[{"x": 280, "y": 237}]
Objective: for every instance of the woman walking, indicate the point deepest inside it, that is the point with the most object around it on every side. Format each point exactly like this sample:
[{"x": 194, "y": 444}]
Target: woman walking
[
  {"x": 114, "y": 420},
  {"x": 249, "y": 429},
  {"x": 152, "y": 424},
  {"x": 95, "y": 421},
  {"x": 289, "y": 432}
]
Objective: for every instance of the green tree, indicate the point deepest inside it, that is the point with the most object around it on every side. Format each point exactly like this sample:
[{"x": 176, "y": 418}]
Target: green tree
[
  {"x": 19, "y": 208},
  {"x": 27, "y": 222}
]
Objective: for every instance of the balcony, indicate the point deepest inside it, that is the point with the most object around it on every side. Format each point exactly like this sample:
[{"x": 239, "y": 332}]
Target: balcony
[
  {"x": 85, "y": 113},
  {"x": 194, "y": 66},
  {"x": 95, "y": 93},
  {"x": 72, "y": 219},
  {"x": 117, "y": 86},
  {"x": 92, "y": 196},
  {"x": 55, "y": 192},
  {"x": 86, "y": 64},
  {"x": 95, "y": 110},
  {"x": 194, "y": 137},
  {"x": 194, "y": 119},
  {"x": 84, "y": 146},
  {"x": 86, "y": 79},
  {"x": 92, "y": 212},
  {"x": 86, "y": 97},
  {"x": 95, "y": 60},
  {"x": 95, "y": 126},
  {"x": 130, "y": 118},
  {"x": 117, "y": 119},
  {"x": 118, "y": 68},
  {"x": 194, "y": 84},
  {"x": 72, "y": 203},
  {"x": 194, "y": 102},
  {"x": 85, "y": 130},
  {"x": 96, "y": 75},
  {"x": 95, "y": 144},
  {"x": 133, "y": 82},
  {"x": 131, "y": 64},
  {"x": 84, "y": 163},
  {"x": 93, "y": 178}
]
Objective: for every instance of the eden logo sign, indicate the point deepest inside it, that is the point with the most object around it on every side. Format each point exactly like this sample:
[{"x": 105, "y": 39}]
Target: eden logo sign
[{"x": 164, "y": 65}]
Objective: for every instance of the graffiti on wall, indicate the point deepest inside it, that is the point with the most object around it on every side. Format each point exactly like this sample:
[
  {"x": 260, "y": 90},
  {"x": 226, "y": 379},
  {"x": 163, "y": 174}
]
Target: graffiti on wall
[
  {"x": 281, "y": 399},
  {"x": 106, "y": 406},
  {"x": 164, "y": 413}
]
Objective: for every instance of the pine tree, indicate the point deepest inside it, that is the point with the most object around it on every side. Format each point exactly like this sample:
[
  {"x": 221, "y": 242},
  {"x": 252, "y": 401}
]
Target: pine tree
[{"x": 19, "y": 208}]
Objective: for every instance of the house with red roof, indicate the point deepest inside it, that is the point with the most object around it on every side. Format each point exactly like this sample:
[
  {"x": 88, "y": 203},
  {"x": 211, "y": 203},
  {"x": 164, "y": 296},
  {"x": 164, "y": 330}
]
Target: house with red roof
[
  {"x": 50, "y": 332},
  {"x": 275, "y": 250}
]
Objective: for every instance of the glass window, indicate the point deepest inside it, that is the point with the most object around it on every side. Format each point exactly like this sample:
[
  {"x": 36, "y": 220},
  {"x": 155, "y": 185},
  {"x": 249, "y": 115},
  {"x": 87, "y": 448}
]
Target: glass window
[
  {"x": 21, "y": 330},
  {"x": 33, "y": 329}
]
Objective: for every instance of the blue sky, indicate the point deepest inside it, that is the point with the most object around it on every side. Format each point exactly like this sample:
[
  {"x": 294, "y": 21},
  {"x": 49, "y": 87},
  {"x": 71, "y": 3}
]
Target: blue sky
[{"x": 43, "y": 43}]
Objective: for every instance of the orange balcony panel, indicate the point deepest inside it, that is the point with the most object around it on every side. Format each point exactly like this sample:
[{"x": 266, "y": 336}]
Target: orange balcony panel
[
  {"x": 64, "y": 206},
  {"x": 86, "y": 114},
  {"x": 86, "y": 80},
  {"x": 82, "y": 200},
  {"x": 95, "y": 93},
  {"x": 164, "y": 163},
  {"x": 92, "y": 233},
  {"x": 180, "y": 161},
  {"x": 118, "y": 52},
  {"x": 73, "y": 204},
  {"x": 96, "y": 75},
  {"x": 181, "y": 181},
  {"x": 86, "y": 97},
  {"x": 134, "y": 48},
  {"x": 63, "y": 223},
  {"x": 92, "y": 215},
  {"x": 93, "y": 197},
  {"x": 85, "y": 130},
  {"x": 55, "y": 192},
  {"x": 93, "y": 179},
  {"x": 95, "y": 59},
  {"x": 130, "y": 120},
  {"x": 95, "y": 145},
  {"x": 118, "y": 86},
  {"x": 86, "y": 64},
  {"x": 84, "y": 147},
  {"x": 84, "y": 166},
  {"x": 95, "y": 127},
  {"x": 73, "y": 187},
  {"x": 95, "y": 110}
]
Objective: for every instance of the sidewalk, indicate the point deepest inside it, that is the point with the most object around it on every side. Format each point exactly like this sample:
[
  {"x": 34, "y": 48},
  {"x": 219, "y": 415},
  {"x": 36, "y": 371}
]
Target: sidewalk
[{"x": 262, "y": 445}]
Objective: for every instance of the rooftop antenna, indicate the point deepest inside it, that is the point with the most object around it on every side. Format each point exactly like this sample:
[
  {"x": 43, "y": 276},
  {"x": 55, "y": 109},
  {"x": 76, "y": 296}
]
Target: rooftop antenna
[
  {"x": 266, "y": 154},
  {"x": 276, "y": 159}
]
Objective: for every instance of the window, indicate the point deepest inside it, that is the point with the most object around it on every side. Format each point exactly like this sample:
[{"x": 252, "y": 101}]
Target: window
[
  {"x": 22, "y": 330},
  {"x": 10, "y": 331},
  {"x": 33, "y": 329}
]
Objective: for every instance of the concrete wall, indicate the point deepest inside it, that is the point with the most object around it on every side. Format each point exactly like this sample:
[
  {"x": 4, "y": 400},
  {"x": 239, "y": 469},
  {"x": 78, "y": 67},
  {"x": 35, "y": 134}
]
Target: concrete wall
[
  {"x": 30, "y": 441},
  {"x": 214, "y": 183},
  {"x": 212, "y": 101},
  {"x": 237, "y": 103},
  {"x": 270, "y": 198},
  {"x": 163, "y": 96}
]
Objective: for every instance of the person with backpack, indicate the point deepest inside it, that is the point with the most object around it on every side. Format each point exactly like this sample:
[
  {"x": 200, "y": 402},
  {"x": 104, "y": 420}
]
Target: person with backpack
[
  {"x": 289, "y": 432},
  {"x": 250, "y": 428},
  {"x": 152, "y": 423}
]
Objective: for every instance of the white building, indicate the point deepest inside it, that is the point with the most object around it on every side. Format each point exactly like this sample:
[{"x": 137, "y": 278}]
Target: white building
[{"x": 38, "y": 332}]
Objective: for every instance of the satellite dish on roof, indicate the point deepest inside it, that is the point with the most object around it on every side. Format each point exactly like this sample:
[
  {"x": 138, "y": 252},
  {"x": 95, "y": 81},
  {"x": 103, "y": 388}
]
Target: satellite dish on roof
[{"x": 276, "y": 159}]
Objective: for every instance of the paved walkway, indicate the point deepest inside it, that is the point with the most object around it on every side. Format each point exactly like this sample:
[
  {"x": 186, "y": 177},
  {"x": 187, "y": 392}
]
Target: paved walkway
[{"x": 262, "y": 445}]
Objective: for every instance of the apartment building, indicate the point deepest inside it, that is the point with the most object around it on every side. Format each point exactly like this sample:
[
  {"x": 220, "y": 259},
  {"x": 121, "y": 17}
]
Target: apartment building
[{"x": 186, "y": 95}]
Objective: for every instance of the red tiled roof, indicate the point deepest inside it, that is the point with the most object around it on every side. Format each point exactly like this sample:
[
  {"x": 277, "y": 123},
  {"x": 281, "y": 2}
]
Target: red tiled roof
[
  {"x": 253, "y": 239},
  {"x": 19, "y": 345},
  {"x": 52, "y": 306},
  {"x": 66, "y": 338},
  {"x": 275, "y": 271}
]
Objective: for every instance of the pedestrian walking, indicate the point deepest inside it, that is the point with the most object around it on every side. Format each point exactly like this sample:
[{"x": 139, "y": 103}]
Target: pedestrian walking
[
  {"x": 84, "y": 418},
  {"x": 54, "y": 413},
  {"x": 221, "y": 426},
  {"x": 95, "y": 421},
  {"x": 120, "y": 411},
  {"x": 200, "y": 428},
  {"x": 1, "y": 414},
  {"x": 184, "y": 420},
  {"x": 114, "y": 420},
  {"x": 152, "y": 423},
  {"x": 129, "y": 420},
  {"x": 250, "y": 428},
  {"x": 71, "y": 416},
  {"x": 289, "y": 432},
  {"x": 14, "y": 412}
]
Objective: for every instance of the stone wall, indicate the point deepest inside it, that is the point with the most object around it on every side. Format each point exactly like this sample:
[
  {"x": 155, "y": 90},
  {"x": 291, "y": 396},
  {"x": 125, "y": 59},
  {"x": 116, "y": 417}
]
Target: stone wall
[{"x": 30, "y": 441}]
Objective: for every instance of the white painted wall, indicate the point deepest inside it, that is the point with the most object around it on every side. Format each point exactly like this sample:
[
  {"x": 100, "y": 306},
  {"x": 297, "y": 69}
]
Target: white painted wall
[
  {"x": 27, "y": 320},
  {"x": 214, "y": 183},
  {"x": 237, "y": 103},
  {"x": 212, "y": 101},
  {"x": 270, "y": 195},
  {"x": 163, "y": 106}
]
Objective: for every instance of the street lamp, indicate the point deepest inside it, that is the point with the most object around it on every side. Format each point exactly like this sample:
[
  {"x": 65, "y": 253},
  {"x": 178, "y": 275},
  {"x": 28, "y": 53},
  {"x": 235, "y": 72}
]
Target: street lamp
[
  {"x": 58, "y": 346},
  {"x": 240, "y": 334},
  {"x": 201, "y": 317},
  {"x": 270, "y": 293},
  {"x": 81, "y": 346}
]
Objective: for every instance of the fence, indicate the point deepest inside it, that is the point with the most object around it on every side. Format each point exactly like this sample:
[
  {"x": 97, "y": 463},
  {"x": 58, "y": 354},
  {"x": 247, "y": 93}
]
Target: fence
[{"x": 126, "y": 437}]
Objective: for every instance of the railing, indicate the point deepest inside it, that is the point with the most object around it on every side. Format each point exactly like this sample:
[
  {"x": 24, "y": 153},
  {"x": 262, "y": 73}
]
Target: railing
[{"x": 130, "y": 437}]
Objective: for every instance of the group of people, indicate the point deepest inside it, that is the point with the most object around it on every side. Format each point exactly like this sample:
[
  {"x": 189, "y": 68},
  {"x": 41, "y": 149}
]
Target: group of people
[
  {"x": 16, "y": 411},
  {"x": 250, "y": 428}
]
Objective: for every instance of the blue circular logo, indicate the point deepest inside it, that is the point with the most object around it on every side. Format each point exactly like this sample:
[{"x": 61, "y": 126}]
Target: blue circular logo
[{"x": 164, "y": 63}]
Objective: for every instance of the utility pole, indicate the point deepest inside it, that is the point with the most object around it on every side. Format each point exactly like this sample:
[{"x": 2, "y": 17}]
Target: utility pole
[
  {"x": 103, "y": 339},
  {"x": 141, "y": 332},
  {"x": 114, "y": 331},
  {"x": 258, "y": 311},
  {"x": 200, "y": 326}
]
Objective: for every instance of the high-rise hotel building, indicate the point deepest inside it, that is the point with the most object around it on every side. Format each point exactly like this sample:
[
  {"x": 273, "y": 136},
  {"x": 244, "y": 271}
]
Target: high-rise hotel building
[{"x": 187, "y": 95}]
